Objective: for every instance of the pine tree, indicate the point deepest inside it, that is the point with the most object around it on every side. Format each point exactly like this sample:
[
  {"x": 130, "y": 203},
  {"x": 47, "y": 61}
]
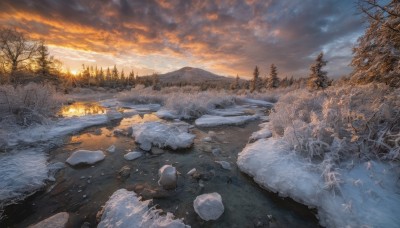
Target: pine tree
[
  {"x": 318, "y": 78},
  {"x": 377, "y": 53},
  {"x": 114, "y": 76},
  {"x": 43, "y": 60},
  {"x": 255, "y": 82},
  {"x": 273, "y": 80}
]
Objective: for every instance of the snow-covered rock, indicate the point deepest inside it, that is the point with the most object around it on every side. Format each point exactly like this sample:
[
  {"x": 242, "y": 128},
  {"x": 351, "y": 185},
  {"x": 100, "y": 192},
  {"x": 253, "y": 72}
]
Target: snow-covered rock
[
  {"x": 86, "y": 157},
  {"x": 132, "y": 155},
  {"x": 261, "y": 134},
  {"x": 168, "y": 177},
  {"x": 58, "y": 220},
  {"x": 163, "y": 135},
  {"x": 213, "y": 121},
  {"x": 124, "y": 209},
  {"x": 366, "y": 196},
  {"x": 233, "y": 111},
  {"x": 224, "y": 164},
  {"x": 258, "y": 102},
  {"x": 209, "y": 206}
]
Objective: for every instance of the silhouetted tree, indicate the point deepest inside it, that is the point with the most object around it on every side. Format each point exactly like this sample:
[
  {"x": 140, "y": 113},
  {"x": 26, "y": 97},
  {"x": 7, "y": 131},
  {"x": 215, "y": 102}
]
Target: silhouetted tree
[
  {"x": 254, "y": 83},
  {"x": 318, "y": 78},
  {"x": 273, "y": 80}
]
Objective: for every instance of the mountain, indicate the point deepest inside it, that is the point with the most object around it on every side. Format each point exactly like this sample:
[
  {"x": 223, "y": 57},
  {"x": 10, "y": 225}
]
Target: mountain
[{"x": 193, "y": 76}]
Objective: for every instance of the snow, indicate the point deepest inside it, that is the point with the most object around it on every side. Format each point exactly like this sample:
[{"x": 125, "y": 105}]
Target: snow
[
  {"x": 141, "y": 107},
  {"x": 85, "y": 157},
  {"x": 132, "y": 155},
  {"x": 232, "y": 111},
  {"x": 168, "y": 177},
  {"x": 209, "y": 206},
  {"x": 213, "y": 121},
  {"x": 125, "y": 209},
  {"x": 258, "y": 102},
  {"x": 58, "y": 220},
  {"x": 261, "y": 134},
  {"x": 163, "y": 135},
  {"x": 22, "y": 173},
  {"x": 367, "y": 194},
  {"x": 224, "y": 164}
]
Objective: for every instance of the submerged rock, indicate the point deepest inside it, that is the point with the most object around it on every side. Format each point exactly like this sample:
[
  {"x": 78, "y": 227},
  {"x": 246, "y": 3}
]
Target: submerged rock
[
  {"x": 209, "y": 206},
  {"x": 59, "y": 220},
  {"x": 132, "y": 155},
  {"x": 224, "y": 164},
  {"x": 124, "y": 172},
  {"x": 85, "y": 157},
  {"x": 168, "y": 177},
  {"x": 111, "y": 149}
]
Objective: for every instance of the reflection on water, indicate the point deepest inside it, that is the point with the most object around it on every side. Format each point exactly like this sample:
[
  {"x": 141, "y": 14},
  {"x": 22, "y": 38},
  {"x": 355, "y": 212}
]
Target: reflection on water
[
  {"x": 136, "y": 119},
  {"x": 81, "y": 109}
]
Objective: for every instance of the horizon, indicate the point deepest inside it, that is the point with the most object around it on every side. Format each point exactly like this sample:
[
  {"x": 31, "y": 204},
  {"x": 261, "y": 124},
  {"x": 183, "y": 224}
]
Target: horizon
[{"x": 154, "y": 36}]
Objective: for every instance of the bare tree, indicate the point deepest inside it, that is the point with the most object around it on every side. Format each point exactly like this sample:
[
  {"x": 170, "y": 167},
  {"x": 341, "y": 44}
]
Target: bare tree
[{"x": 15, "y": 51}]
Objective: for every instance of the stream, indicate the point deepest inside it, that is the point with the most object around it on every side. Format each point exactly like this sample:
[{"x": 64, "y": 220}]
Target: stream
[{"x": 82, "y": 191}]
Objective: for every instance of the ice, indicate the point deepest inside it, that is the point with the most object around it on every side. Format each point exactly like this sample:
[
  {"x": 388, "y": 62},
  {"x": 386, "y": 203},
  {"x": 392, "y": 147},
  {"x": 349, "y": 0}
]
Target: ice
[
  {"x": 141, "y": 107},
  {"x": 163, "y": 135},
  {"x": 258, "y": 102},
  {"x": 125, "y": 209},
  {"x": 58, "y": 220},
  {"x": 132, "y": 155},
  {"x": 233, "y": 111},
  {"x": 22, "y": 173},
  {"x": 209, "y": 206},
  {"x": 168, "y": 177},
  {"x": 367, "y": 194},
  {"x": 166, "y": 114},
  {"x": 213, "y": 121},
  {"x": 261, "y": 134},
  {"x": 85, "y": 157},
  {"x": 111, "y": 149}
]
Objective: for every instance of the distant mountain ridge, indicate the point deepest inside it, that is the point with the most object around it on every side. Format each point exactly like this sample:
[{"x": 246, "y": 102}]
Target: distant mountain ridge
[{"x": 191, "y": 75}]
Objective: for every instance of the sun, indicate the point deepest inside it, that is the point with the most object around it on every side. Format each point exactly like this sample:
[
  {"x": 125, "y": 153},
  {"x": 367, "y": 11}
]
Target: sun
[{"x": 74, "y": 72}]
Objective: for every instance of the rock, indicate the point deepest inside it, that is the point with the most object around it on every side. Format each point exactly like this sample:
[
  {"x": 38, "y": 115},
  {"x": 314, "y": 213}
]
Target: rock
[
  {"x": 132, "y": 155},
  {"x": 85, "y": 157},
  {"x": 85, "y": 225},
  {"x": 56, "y": 221},
  {"x": 203, "y": 176},
  {"x": 157, "y": 151},
  {"x": 224, "y": 164},
  {"x": 216, "y": 152},
  {"x": 124, "y": 172},
  {"x": 207, "y": 139},
  {"x": 111, "y": 149},
  {"x": 168, "y": 177},
  {"x": 192, "y": 171},
  {"x": 119, "y": 132},
  {"x": 209, "y": 206}
]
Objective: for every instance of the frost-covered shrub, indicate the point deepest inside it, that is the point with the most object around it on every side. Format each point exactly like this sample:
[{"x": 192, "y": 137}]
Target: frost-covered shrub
[
  {"x": 142, "y": 95},
  {"x": 360, "y": 121},
  {"x": 28, "y": 104}
]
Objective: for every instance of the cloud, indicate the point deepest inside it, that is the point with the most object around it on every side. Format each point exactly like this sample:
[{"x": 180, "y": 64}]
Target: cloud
[{"x": 225, "y": 36}]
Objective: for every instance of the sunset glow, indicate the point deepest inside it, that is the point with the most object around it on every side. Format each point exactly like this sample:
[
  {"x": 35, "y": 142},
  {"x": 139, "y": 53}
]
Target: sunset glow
[{"x": 227, "y": 38}]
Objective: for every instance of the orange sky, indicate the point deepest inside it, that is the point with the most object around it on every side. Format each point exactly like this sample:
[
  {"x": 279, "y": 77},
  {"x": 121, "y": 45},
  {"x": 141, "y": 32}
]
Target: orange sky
[{"x": 226, "y": 37}]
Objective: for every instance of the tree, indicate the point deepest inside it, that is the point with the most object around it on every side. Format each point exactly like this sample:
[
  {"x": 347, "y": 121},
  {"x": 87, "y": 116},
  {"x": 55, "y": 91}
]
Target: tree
[
  {"x": 273, "y": 80},
  {"x": 318, "y": 78},
  {"x": 43, "y": 60},
  {"x": 236, "y": 84},
  {"x": 255, "y": 82},
  {"x": 377, "y": 53},
  {"x": 16, "y": 51},
  {"x": 114, "y": 76}
]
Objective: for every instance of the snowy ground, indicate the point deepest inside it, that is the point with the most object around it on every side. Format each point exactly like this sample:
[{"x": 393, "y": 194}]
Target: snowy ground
[{"x": 367, "y": 194}]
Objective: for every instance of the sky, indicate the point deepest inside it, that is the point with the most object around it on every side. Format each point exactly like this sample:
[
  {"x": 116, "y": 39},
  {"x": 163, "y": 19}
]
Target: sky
[{"x": 226, "y": 37}]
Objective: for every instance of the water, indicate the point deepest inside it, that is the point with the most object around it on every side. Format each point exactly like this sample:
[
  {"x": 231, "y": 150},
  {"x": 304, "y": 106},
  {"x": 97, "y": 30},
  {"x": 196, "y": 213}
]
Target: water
[{"x": 82, "y": 191}]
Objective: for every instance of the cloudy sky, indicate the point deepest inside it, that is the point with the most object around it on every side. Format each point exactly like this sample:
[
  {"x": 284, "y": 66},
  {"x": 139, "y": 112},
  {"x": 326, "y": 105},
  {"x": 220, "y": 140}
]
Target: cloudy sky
[{"x": 227, "y": 37}]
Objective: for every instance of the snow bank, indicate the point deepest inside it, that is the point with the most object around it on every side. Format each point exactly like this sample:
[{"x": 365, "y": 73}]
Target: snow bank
[
  {"x": 124, "y": 209},
  {"x": 258, "y": 102},
  {"x": 86, "y": 157},
  {"x": 232, "y": 111},
  {"x": 366, "y": 194},
  {"x": 213, "y": 121},
  {"x": 21, "y": 172},
  {"x": 209, "y": 206},
  {"x": 163, "y": 135},
  {"x": 261, "y": 134}
]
